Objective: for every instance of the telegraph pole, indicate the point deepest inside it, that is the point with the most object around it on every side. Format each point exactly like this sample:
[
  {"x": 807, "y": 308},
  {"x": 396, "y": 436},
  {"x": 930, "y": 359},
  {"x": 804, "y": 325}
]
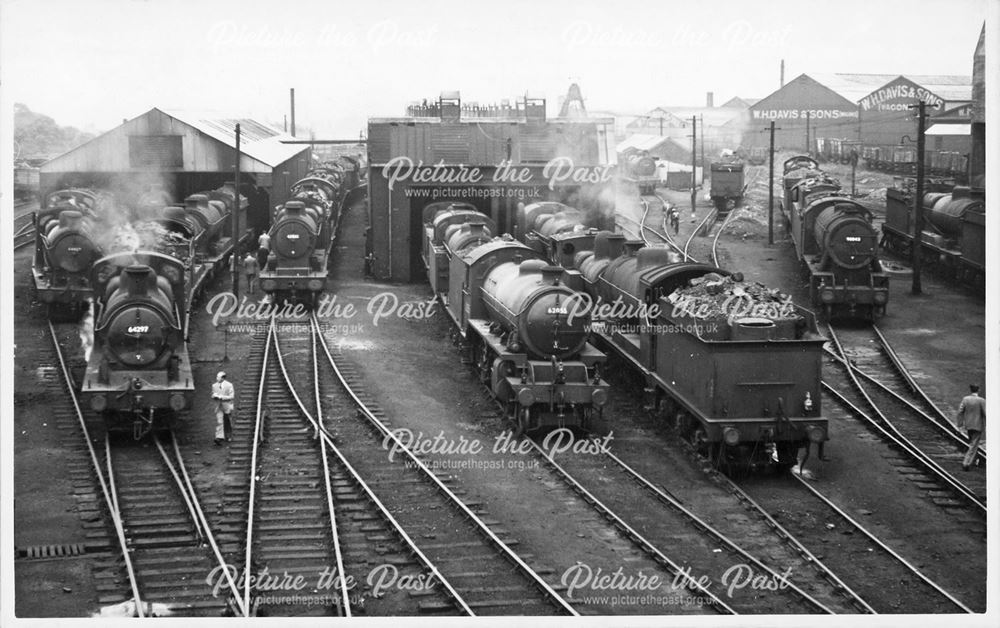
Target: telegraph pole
[
  {"x": 235, "y": 219},
  {"x": 694, "y": 162},
  {"x": 770, "y": 188},
  {"x": 702, "y": 149},
  {"x": 808, "y": 151},
  {"x": 918, "y": 208}
]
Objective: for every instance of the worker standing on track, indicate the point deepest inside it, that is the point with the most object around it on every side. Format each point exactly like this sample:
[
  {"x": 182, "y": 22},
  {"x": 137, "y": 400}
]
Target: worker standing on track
[
  {"x": 675, "y": 218},
  {"x": 223, "y": 394},
  {"x": 972, "y": 416}
]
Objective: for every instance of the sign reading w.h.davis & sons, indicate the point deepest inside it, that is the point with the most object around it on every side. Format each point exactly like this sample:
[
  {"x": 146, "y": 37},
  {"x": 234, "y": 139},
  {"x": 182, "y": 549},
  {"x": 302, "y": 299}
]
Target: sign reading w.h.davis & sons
[{"x": 898, "y": 95}]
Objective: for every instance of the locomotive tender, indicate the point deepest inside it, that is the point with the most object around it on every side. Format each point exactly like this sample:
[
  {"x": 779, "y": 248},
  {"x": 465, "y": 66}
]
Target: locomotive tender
[
  {"x": 835, "y": 241},
  {"x": 513, "y": 313},
  {"x": 726, "y": 187},
  {"x": 743, "y": 385},
  {"x": 303, "y": 231},
  {"x": 640, "y": 168},
  {"x": 65, "y": 249},
  {"x": 954, "y": 240}
]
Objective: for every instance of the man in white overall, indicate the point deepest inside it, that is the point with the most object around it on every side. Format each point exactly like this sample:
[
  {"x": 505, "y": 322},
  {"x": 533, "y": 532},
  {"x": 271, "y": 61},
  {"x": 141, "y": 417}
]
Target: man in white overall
[{"x": 223, "y": 394}]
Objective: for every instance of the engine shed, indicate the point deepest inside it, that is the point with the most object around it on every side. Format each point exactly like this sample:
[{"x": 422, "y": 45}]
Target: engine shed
[
  {"x": 183, "y": 153},
  {"x": 493, "y": 157}
]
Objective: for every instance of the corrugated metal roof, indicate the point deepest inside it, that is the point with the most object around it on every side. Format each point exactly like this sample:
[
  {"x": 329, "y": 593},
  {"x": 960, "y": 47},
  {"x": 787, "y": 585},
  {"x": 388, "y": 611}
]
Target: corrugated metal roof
[
  {"x": 258, "y": 140},
  {"x": 641, "y": 141},
  {"x": 854, "y": 87},
  {"x": 711, "y": 116}
]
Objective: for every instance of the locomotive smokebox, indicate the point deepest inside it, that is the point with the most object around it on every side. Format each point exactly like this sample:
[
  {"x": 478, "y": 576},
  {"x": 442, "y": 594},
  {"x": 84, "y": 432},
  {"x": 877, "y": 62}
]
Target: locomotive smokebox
[{"x": 846, "y": 236}]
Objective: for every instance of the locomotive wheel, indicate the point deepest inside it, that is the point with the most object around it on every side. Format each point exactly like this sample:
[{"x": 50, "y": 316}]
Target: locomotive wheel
[{"x": 522, "y": 418}]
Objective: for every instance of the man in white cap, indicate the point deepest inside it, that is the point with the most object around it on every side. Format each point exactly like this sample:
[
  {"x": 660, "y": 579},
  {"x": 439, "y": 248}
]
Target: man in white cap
[{"x": 223, "y": 393}]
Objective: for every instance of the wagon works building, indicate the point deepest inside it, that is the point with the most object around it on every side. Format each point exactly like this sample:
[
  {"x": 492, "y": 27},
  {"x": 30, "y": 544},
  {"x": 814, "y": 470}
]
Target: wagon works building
[
  {"x": 870, "y": 108},
  {"x": 493, "y": 158}
]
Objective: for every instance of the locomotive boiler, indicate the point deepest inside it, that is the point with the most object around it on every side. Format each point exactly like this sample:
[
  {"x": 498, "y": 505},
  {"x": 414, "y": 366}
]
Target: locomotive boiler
[
  {"x": 523, "y": 329},
  {"x": 138, "y": 372},
  {"x": 954, "y": 238},
  {"x": 442, "y": 220}
]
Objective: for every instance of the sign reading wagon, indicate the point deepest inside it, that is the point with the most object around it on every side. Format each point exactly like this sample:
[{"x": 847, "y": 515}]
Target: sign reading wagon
[{"x": 898, "y": 95}]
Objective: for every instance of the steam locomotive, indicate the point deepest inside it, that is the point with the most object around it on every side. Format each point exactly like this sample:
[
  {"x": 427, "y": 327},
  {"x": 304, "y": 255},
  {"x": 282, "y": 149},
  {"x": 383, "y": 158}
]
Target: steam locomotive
[
  {"x": 640, "y": 168},
  {"x": 65, "y": 248},
  {"x": 954, "y": 240},
  {"x": 735, "y": 365},
  {"x": 516, "y": 319},
  {"x": 199, "y": 234},
  {"x": 138, "y": 370},
  {"x": 303, "y": 231},
  {"x": 835, "y": 241}
]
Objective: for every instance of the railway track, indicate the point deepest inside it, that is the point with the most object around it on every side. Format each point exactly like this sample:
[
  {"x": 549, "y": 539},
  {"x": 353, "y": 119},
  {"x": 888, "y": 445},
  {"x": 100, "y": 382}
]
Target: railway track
[
  {"x": 392, "y": 512},
  {"x": 24, "y": 228},
  {"x": 165, "y": 544},
  {"x": 633, "y": 503},
  {"x": 931, "y": 458},
  {"x": 876, "y": 363},
  {"x": 887, "y": 581}
]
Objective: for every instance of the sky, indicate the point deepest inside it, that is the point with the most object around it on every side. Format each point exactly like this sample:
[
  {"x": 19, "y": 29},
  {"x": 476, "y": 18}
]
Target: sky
[{"x": 93, "y": 63}]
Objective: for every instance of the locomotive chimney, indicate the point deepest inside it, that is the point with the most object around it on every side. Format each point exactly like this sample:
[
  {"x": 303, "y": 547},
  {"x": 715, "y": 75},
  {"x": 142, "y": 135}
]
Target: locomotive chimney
[
  {"x": 69, "y": 218},
  {"x": 137, "y": 278},
  {"x": 616, "y": 245},
  {"x": 630, "y": 247},
  {"x": 601, "y": 245},
  {"x": 552, "y": 274},
  {"x": 294, "y": 208},
  {"x": 709, "y": 99},
  {"x": 196, "y": 200}
]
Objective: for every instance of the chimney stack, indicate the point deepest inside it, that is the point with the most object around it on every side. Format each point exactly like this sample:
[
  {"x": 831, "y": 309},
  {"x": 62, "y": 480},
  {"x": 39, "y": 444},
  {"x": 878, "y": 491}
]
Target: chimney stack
[
  {"x": 709, "y": 99},
  {"x": 782, "y": 73}
]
